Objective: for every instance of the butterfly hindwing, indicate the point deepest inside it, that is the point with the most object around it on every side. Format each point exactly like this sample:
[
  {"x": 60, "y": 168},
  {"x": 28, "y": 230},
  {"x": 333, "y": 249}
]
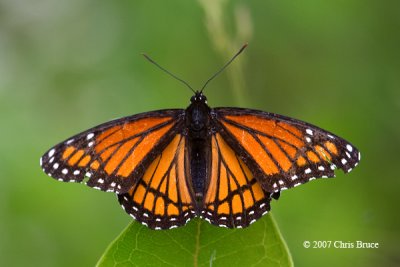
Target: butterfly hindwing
[
  {"x": 162, "y": 198},
  {"x": 283, "y": 152},
  {"x": 115, "y": 154},
  {"x": 233, "y": 198}
]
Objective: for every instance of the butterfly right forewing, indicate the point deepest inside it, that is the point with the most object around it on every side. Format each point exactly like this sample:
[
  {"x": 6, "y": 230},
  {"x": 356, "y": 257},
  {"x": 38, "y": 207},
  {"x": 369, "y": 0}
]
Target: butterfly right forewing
[{"x": 281, "y": 151}]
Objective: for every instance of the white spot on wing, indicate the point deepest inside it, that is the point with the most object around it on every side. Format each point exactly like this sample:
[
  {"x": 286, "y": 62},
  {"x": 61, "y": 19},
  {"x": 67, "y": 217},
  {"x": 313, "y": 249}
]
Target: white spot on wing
[
  {"x": 55, "y": 166},
  {"x": 308, "y": 170},
  {"x": 294, "y": 177},
  {"x": 89, "y": 136},
  {"x": 321, "y": 168},
  {"x": 309, "y": 131},
  {"x": 349, "y": 148},
  {"x": 64, "y": 171},
  {"x": 76, "y": 172},
  {"x": 344, "y": 161},
  {"x": 70, "y": 141},
  {"x": 51, "y": 152},
  {"x": 308, "y": 139}
]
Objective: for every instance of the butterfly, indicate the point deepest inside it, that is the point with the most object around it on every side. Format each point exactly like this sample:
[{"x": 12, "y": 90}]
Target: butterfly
[{"x": 224, "y": 165}]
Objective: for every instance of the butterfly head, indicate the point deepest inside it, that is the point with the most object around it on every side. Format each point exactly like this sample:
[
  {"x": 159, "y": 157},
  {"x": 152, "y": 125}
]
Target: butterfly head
[{"x": 198, "y": 98}]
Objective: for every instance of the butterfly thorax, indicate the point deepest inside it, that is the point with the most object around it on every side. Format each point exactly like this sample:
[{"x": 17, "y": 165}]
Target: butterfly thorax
[{"x": 198, "y": 128}]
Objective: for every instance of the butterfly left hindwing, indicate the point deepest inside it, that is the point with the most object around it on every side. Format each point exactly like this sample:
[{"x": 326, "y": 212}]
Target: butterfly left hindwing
[{"x": 162, "y": 198}]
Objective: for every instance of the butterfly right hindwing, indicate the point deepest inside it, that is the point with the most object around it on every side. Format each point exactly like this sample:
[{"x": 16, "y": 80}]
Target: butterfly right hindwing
[{"x": 234, "y": 198}]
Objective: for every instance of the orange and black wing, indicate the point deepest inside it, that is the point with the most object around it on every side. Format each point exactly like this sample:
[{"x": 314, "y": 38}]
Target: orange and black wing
[
  {"x": 162, "y": 199},
  {"x": 114, "y": 155},
  {"x": 283, "y": 152},
  {"x": 234, "y": 198}
]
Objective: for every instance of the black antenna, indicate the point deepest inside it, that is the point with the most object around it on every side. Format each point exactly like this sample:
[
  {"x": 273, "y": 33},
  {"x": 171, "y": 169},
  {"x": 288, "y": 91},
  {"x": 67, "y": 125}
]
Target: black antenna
[
  {"x": 166, "y": 71},
  {"x": 223, "y": 67}
]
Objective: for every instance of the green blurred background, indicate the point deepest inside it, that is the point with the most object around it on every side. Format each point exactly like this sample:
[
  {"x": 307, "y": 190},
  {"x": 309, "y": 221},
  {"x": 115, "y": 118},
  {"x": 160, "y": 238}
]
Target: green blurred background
[{"x": 68, "y": 65}]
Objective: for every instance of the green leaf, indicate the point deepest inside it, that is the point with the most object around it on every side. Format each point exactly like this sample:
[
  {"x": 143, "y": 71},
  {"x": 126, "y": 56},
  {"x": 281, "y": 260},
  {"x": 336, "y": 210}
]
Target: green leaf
[{"x": 199, "y": 244}]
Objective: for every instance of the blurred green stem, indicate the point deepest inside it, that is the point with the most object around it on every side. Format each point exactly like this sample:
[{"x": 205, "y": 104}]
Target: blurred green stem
[{"x": 227, "y": 45}]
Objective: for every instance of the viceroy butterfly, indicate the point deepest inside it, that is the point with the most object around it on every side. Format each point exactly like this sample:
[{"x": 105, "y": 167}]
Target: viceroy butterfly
[{"x": 222, "y": 164}]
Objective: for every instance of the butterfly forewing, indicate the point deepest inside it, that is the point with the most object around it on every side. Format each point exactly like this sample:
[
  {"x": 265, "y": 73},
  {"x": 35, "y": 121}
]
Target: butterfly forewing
[
  {"x": 113, "y": 155},
  {"x": 162, "y": 198},
  {"x": 284, "y": 152},
  {"x": 233, "y": 198}
]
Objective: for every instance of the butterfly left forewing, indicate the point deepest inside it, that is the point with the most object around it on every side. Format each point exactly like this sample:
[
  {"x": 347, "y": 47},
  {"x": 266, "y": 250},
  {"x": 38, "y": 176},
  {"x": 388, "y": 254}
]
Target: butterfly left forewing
[
  {"x": 284, "y": 152},
  {"x": 233, "y": 198},
  {"x": 113, "y": 155}
]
